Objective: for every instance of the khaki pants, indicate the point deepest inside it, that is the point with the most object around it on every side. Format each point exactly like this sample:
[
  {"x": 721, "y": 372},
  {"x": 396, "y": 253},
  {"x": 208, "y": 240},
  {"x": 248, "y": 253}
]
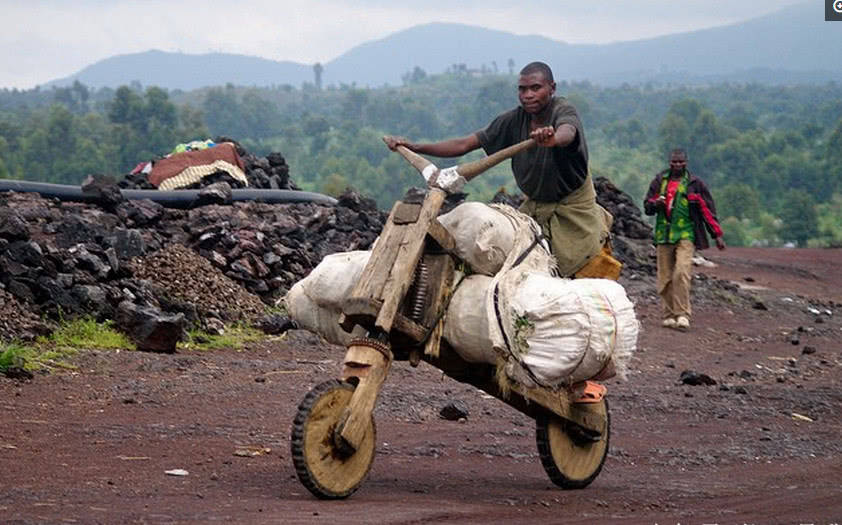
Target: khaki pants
[
  {"x": 577, "y": 228},
  {"x": 675, "y": 264}
]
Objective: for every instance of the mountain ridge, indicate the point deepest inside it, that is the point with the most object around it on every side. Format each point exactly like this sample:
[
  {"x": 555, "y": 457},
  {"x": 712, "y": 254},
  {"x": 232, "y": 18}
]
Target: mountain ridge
[{"x": 787, "y": 46}]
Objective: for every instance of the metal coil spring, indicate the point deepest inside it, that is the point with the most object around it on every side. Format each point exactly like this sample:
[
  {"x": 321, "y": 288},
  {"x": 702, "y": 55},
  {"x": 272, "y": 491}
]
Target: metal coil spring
[{"x": 419, "y": 286}]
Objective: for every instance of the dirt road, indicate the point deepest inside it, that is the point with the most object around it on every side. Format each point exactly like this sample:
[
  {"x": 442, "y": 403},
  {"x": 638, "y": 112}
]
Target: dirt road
[{"x": 760, "y": 446}]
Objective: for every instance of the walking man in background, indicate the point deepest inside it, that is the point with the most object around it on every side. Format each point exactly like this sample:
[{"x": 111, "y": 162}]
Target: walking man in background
[
  {"x": 685, "y": 213},
  {"x": 554, "y": 176}
]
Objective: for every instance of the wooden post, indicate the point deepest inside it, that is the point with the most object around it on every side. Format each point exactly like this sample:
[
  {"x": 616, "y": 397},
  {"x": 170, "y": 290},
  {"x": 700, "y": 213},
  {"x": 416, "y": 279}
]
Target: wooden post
[
  {"x": 409, "y": 252},
  {"x": 370, "y": 366}
]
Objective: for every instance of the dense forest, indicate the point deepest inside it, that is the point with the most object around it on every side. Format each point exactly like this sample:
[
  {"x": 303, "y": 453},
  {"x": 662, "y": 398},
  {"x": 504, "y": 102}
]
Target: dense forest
[{"x": 772, "y": 155}]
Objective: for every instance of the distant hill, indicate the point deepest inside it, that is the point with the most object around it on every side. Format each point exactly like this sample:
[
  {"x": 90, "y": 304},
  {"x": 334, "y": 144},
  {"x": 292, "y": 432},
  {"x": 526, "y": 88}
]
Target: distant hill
[
  {"x": 793, "y": 45},
  {"x": 434, "y": 48},
  {"x": 186, "y": 72}
]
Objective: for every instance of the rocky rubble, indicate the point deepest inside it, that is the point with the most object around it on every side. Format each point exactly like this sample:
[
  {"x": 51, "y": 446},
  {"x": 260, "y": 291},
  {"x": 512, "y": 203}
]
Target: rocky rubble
[
  {"x": 632, "y": 235},
  {"x": 225, "y": 263},
  {"x": 183, "y": 281},
  {"x": 17, "y": 321},
  {"x": 215, "y": 263}
]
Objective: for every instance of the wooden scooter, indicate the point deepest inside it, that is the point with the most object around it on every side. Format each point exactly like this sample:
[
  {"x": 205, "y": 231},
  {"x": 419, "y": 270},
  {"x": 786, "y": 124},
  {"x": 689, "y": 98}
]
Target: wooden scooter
[{"x": 400, "y": 300}]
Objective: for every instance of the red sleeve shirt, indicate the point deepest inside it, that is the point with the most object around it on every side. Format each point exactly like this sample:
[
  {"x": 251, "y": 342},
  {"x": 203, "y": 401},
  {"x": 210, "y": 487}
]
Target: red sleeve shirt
[{"x": 672, "y": 188}]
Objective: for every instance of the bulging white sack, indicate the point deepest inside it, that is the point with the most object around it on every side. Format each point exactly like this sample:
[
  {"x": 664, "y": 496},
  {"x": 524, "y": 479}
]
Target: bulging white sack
[
  {"x": 484, "y": 235},
  {"x": 562, "y": 331},
  {"x": 466, "y": 322},
  {"x": 315, "y": 302}
]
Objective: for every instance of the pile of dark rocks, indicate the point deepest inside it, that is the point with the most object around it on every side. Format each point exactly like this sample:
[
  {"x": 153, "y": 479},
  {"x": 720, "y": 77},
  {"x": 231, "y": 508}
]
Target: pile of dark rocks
[
  {"x": 17, "y": 321},
  {"x": 215, "y": 263},
  {"x": 628, "y": 221},
  {"x": 212, "y": 264},
  {"x": 184, "y": 281},
  {"x": 632, "y": 235}
]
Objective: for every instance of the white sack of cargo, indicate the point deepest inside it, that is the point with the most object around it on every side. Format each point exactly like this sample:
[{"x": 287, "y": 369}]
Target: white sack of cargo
[
  {"x": 484, "y": 234},
  {"x": 466, "y": 322},
  {"x": 561, "y": 331},
  {"x": 315, "y": 302}
]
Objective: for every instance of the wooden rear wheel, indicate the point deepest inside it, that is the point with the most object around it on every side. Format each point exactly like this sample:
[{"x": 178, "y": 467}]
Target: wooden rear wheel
[
  {"x": 570, "y": 456},
  {"x": 323, "y": 465}
]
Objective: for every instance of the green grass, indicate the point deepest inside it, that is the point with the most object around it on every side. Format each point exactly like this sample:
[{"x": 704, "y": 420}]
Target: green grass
[
  {"x": 12, "y": 355},
  {"x": 234, "y": 337},
  {"x": 87, "y": 333},
  {"x": 278, "y": 309},
  {"x": 33, "y": 358},
  {"x": 53, "y": 351}
]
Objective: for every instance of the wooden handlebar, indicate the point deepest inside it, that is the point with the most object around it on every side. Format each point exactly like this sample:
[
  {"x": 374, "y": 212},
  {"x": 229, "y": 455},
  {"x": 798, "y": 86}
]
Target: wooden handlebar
[{"x": 474, "y": 168}]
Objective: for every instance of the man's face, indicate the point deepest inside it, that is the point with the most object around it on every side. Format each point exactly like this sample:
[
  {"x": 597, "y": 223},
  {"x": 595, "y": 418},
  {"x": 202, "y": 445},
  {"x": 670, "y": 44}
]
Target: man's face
[
  {"x": 534, "y": 92},
  {"x": 678, "y": 163}
]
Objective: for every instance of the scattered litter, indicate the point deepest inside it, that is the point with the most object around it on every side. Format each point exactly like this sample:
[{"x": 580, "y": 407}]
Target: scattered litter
[
  {"x": 133, "y": 458},
  {"x": 800, "y": 417},
  {"x": 252, "y": 451},
  {"x": 176, "y": 472},
  {"x": 701, "y": 261}
]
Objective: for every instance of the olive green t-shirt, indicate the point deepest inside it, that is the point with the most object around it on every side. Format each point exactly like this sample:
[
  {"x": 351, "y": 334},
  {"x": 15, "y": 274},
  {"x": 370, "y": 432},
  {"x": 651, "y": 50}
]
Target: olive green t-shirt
[{"x": 542, "y": 174}]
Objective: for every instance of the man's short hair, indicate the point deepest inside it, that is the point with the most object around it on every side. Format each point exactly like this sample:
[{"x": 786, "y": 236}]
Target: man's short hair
[
  {"x": 678, "y": 152},
  {"x": 538, "y": 67}
]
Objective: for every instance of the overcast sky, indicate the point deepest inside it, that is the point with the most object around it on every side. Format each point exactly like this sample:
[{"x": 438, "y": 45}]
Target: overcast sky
[{"x": 42, "y": 40}]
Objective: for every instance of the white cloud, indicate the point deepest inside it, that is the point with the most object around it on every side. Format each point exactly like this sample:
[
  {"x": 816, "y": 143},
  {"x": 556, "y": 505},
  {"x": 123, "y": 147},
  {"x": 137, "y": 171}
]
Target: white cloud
[{"x": 47, "y": 39}]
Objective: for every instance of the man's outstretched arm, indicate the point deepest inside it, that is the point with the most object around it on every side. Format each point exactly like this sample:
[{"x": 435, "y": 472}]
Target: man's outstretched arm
[{"x": 445, "y": 148}]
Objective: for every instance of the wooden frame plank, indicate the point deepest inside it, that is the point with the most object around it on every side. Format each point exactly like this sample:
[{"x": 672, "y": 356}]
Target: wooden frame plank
[{"x": 408, "y": 254}]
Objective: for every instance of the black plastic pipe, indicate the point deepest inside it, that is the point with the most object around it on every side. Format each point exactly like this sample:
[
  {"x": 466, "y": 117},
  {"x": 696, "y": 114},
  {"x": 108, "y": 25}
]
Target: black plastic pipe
[{"x": 169, "y": 198}]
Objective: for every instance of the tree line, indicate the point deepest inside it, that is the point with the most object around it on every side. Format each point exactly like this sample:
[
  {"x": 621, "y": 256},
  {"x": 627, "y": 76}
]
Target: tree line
[{"x": 772, "y": 155}]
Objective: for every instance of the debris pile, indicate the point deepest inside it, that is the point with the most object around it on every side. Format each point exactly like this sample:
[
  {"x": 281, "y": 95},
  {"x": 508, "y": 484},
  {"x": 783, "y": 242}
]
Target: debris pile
[
  {"x": 18, "y": 322},
  {"x": 66, "y": 259},
  {"x": 212, "y": 263},
  {"x": 632, "y": 235},
  {"x": 188, "y": 283},
  {"x": 628, "y": 222}
]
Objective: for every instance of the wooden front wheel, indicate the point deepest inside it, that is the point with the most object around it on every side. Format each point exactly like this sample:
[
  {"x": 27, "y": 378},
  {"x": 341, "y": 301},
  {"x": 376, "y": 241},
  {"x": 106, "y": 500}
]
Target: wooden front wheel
[
  {"x": 570, "y": 456},
  {"x": 324, "y": 467}
]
